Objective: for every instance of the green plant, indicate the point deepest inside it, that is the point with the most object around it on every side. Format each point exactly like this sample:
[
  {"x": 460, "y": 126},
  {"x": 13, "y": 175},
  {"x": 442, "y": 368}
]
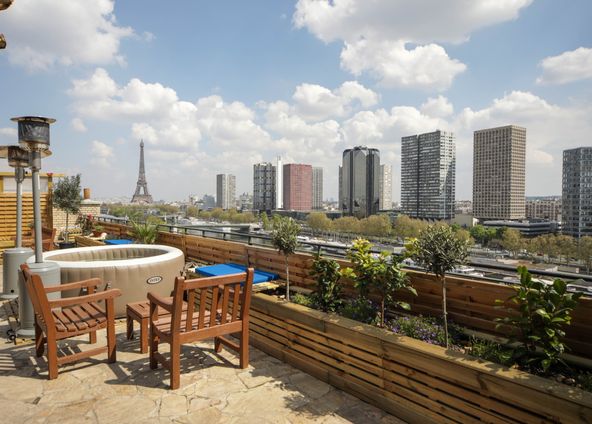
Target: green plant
[
  {"x": 426, "y": 329},
  {"x": 439, "y": 251},
  {"x": 303, "y": 300},
  {"x": 544, "y": 310},
  {"x": 491, "y": 351},
  {"x": 284, "y": 238},
  {"x": 328, "y": 292},
  {"x": 361, "y": 309},
  {"x": 379, "y": 271},
  {"x": 66, "y": 196},
  {"x": 144, "y": 233}
]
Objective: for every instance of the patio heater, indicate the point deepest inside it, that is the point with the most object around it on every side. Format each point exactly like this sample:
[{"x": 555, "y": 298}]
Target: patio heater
[
  {"x": 13, "y": 258},
  {"x": 33, "y": 135}
]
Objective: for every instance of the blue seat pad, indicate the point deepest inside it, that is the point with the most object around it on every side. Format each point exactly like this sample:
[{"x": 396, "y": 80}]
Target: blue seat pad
[{"x": 227, "y": 269}]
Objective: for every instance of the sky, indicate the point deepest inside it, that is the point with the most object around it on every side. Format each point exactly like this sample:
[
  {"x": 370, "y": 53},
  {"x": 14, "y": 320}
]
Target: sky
[{"x": 214, "y": 87}]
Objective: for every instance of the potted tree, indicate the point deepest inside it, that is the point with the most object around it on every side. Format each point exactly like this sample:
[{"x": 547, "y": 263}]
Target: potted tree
[
  {"x": 284, "y": 238},
  {"x": 66, "y": 196},
  {"x": 439, "y": 251}
]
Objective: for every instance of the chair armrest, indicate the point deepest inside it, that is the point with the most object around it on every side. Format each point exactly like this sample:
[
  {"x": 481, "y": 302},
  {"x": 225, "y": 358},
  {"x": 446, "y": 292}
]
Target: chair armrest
[
  {"x": 91, "y": 282},
  {"x": 166, "y": 303},
  {"x": 77, "y": 300}
]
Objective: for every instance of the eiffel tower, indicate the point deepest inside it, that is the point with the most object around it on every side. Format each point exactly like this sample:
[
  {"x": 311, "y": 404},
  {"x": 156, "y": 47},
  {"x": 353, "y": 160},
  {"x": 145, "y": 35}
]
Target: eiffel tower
[{"x": 142, "y": 184}]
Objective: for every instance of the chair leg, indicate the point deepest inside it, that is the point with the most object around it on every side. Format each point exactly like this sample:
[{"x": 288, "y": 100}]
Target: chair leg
[
  {"x": 111, "y": 343},
  {"x": 92, "y": 337},
  {"x": 129, "y": 334},
  {"x": 144, "y": 335},
  {"x": 175, "y": 362},
  {"x": 244, "y": 348},
  {"x": 39, "y": 347},
  {"x": 217, "y": 345},
  {"x": 52, "y": 358},
  {"x": 153, "y": 349}
]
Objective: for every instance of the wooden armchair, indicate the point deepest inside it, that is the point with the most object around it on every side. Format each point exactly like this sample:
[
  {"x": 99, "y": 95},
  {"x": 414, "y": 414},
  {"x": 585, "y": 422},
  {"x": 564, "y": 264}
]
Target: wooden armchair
[
  {"x": 63, "y": 318},
  {"x": 48, "y": 236},
  {"x": 223, "y": 309}
]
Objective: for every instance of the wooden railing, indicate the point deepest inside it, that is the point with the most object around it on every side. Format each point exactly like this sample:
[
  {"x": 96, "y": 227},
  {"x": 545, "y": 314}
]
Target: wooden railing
[{"x": 471, "y": 303}]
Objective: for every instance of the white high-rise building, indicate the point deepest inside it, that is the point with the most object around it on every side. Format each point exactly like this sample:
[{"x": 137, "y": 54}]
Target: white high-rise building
[
  {"x": 428, "y": 164},
  {"x": 385, "y": 187},
  {"x": 225, "y": 191},
  {"x": 317, "y": 187},
  {"x": 279, "y": 184}
]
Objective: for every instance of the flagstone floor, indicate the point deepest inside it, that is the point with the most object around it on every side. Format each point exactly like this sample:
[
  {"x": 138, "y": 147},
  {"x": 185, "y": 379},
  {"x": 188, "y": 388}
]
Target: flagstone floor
[{"x": 213, "y": 389}]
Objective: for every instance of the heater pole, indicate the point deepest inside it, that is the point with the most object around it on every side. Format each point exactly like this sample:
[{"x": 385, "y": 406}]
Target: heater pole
[
  {"x": 19, "y": 176},
  {"x": 35, "y": 166}
]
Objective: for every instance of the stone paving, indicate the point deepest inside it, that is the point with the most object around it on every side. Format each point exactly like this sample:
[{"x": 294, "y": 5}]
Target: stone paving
[{"x": 213, "y": 389}]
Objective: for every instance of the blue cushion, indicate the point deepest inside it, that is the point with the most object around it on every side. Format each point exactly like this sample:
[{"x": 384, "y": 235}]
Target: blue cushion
[{"x": 227, "y": 269}]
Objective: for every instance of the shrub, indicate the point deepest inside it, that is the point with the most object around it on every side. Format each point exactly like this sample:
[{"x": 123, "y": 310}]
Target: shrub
[
  {"x": 144, "y": 233},
  {"x": 361, "y": 309},
  {"x": 544, "y": 310},
  {"x": 426, "y": 329},
  {"x": 491, "y": 351},
  {"x": 303, "y": 300},
  {"x": 328, "y": 290}
]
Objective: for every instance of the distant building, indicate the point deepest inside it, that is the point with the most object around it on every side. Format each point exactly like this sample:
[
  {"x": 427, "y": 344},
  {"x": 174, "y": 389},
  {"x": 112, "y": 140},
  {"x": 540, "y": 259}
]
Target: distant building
[
  {"x": 547, "y": 208},
  {"x": 385, "y": 188},
  {"x": 317, "y": 187},
  {"x": 428, "y": 163},
  {"x": 264, "y": 190},
  {"x": 340, "y": 200},
  {"x": 577, "y": 192},
  {"x": 463, "y": 206},
  {"x": 225, "y": 191},
  {"x": 245, "y": 202},
  {"x": 360, "y": 175},
  {"x": 297, "y": 187},
  {"x": 499, "y": 156},
  {"x": 528, "y": 228},
  {"x": 279, "y": 184},
  {"x": 208, "y": 202}
]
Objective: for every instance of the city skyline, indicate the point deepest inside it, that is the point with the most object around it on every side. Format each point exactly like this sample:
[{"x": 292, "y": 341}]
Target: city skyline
[{"x": 244, "y": 83}]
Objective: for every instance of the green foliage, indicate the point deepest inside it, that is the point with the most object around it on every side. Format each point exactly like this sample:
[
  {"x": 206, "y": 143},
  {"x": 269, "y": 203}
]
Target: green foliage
[
  {"x": 192, "y": 212},
  {"x": 483, "y": 235},
  {"x": 426, "y": 329},
  {"x": 318, "y": 222},
  {"x": 406, "y": 227},
  {"x": 85, "y": 222},
  {"x": 439, "y": 251},
  {"x": 491, "y": 351},
  {"x": 544, "y": 310},
  {"x": 328, "y": 292},
  {"x": 265, "y": 223},
  {"x": 376, "y": 225},
  {"x": 284, "y": 238},
  {"x": 303, "y": 300},
  {"x": 347, "y": 224},
  {"x": 66, "y": 196},
  {"x": 363, "y": 310},
  {"x": 144, "y": 233},
  {"x": 512, "y": 241},
  {"x": 379, "y": 271}
]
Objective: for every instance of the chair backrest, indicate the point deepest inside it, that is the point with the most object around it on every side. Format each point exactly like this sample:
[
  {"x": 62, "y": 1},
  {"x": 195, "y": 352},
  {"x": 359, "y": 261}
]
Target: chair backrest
[
  {"x": 226, "y": 297},
  {"x": 36, "y": 290}
]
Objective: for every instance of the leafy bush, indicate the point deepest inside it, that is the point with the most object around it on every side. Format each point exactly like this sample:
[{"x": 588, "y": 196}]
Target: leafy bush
[
  {"x": 361, "y": 309},
  {"x": 427, "y": 329},
  {"x": 66, "y": 196},
  {"x": 303, "y": 300},
  {"x": 144, "y": 233},
  {"x": 544, "y": 310},
  {"x": 328, "y": 292},
  {"x": 379, "y": 271},
  {"x": 491, "y": 351}
]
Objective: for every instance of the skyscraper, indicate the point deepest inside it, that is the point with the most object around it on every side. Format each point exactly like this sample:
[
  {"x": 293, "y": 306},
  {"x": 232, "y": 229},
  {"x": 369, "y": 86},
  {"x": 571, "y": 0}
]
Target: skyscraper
[
  {"x": 386, "y": 187},
  {"x": 225, "y": 191},
  {"x": 360, "y": 174},
  {"x": 297, "y": 187},
  {"x": 317, "y": 187},
  {"x": 264, "y": 191},
  {"x": 576, "y": 201},
  {"x": 499, "y": 156},
  {"x": 428, "y": 164},
  {"x": 279, "y": 184}
]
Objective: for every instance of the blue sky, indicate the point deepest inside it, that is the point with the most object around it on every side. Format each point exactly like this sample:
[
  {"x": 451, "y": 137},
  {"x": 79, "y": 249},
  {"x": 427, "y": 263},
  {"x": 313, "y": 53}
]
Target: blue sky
[{"x": 214, "y": 87}]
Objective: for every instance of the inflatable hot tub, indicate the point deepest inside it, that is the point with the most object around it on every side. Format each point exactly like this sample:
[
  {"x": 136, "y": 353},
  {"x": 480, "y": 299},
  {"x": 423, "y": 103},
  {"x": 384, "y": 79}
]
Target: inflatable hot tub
[{"x": 135, "y": 269}]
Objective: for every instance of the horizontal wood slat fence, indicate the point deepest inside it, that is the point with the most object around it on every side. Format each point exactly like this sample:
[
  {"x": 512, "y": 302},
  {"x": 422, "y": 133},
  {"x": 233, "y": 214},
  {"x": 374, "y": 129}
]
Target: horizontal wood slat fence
[{"x": 471, "y": 303}]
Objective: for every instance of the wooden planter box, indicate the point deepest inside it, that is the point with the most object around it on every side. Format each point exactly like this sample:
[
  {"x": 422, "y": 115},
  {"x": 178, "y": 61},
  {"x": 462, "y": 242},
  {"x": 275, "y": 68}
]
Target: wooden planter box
[{"x": 410, "y": 379}]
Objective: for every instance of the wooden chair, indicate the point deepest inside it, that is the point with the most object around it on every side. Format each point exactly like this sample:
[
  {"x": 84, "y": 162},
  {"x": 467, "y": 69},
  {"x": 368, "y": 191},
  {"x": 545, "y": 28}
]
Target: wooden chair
[
  {"x": 63, "y": 318},
  {"x": 223, "y": 309},
  {"x": 47, "y": 239}
]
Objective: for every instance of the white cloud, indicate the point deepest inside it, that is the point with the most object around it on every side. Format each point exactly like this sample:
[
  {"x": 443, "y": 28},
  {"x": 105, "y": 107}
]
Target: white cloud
[
  {"x": 376, "y": 34},
  {"x": 45, "y": 33},
  {"x": 78, "y": 125},
  {"x": 316, "y": 103},
  {"x": 438, "y": 107},
  {"x": 567, "y": 67},
  {"x": 8, "y": 132},
  {"x": 102, "y": 154}
]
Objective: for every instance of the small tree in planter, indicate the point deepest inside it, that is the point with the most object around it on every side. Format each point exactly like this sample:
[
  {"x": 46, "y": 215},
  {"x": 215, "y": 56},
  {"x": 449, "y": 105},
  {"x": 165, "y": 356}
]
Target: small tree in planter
[
  {"x": 379, "y": 271},
  {"x": 328, "y": 274},
  {"x": 144, "y": 233},
  {"x": 66, "y": 196},
  {"x": 284, "y": 238},
  {"x": 439, "y": 251}
]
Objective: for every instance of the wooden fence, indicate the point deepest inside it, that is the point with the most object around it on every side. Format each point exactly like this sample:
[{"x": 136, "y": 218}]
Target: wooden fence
[
  {"x": 471, "y": 303},
  {"x": 410, "y": 379}
]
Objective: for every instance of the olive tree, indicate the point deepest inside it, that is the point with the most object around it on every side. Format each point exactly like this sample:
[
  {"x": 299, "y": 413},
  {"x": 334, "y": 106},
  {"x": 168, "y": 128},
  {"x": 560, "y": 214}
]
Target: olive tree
[
  {"x": 66, "y": 196},
  {"x": 439, "y": 251},
  {"x": 284, "y": 238}
]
